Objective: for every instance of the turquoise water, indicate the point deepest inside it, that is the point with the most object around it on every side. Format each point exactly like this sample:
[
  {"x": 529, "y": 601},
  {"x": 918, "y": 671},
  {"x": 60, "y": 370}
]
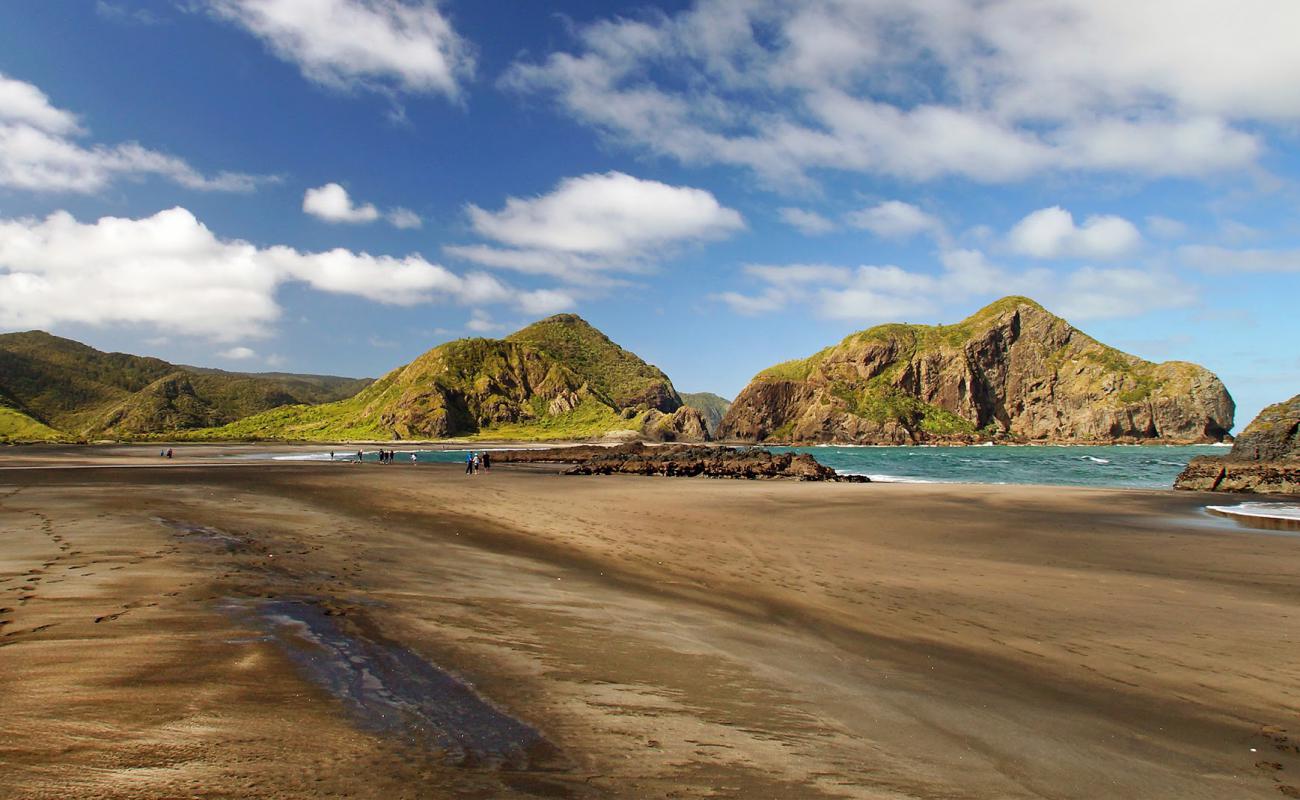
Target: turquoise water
[{"x": 1150, "y": 467}]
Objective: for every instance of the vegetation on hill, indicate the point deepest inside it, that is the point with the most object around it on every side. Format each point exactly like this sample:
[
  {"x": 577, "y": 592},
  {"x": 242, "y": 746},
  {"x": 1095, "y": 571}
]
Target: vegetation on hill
[
  {"x": 82, "y": 392},
  {"x": 713, "y": 407},
  {"x": 557, "y": 379},
  {"x": 1010, "y": 369},
  {"x": 615, "y": 375}
]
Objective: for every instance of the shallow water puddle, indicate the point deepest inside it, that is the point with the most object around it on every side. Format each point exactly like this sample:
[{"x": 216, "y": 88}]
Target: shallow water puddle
[{"x": 389, "y": 689}]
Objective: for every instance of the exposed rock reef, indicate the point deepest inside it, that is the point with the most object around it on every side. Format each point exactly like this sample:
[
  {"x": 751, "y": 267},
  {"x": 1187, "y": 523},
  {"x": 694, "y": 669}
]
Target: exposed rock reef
[
  {"x": 56, "y": 388},
  {"x": 1010, "y": 372},
  {"x": 559, "y": 378},
  {"x": 681, "y": 461},
  {"x": 1265, "y": 459}
]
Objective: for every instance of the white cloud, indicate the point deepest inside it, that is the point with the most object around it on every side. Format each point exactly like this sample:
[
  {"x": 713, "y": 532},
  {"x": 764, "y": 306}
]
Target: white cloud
[
  {"x": 878, "y": 293},
  {"x": 383, "y": 45},
  {"x": 115, "y": 12},
  {"x": 1163, "y": 227},
  {"x": 895, "y": 219},
  {"x": 544, "y": 302},
  {"x": 992, "y": 91},
  {"x": 481, "y": 322},
  {"x": 404, "y": 218},
  {"x": 170, "y": 272},
  {"x": 1051, "y": 233},
  {"x": 238, "y": 353},
  {"x": 809, "y": 222},
  {"x": 1223, "y": 260},
  {"x": 590, "y": 223},
  {"x": 332, "y": 204},
  {"x": 39, "y": 152}
]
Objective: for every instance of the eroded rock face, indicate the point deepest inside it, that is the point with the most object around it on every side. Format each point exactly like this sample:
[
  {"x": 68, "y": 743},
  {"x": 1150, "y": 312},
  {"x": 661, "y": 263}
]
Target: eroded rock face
[
  {"x": 1265, "y": 458},
  {"x": 1012, "y": 371},
  {"x": 681, "y": 461},
  {"x": 686, "y": 424}
]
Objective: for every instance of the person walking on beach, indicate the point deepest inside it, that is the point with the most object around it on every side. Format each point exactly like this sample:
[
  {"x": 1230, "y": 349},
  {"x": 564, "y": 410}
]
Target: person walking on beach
[
  {"x": 469, "y": 463},
  {"x": 413, "y": 459},
  {"x": 360, "y": 456},
  {"x": 486, "y": 461},
  {"x": 169, "y": 452}
]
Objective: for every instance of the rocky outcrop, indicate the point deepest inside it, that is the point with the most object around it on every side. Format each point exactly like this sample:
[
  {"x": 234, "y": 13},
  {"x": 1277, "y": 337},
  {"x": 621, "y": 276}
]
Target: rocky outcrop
[
  {"x": 1011, "y": 372},
  {"x": 681, "y": 461},
  {"x": 1265, "y": 458},
  {"x": 686, "y": 424},
  {"x": 713, "y": 407}
]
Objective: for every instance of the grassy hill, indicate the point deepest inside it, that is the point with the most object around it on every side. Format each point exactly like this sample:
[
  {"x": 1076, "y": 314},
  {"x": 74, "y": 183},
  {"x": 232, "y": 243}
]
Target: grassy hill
[
  {"x": 616, "y": 375},
  {"x": 77, "y": 391},
  {"x": 556, "y": 379},
  {"x": 1010, "y": 370},
  {"x": 713, "y": 407}
]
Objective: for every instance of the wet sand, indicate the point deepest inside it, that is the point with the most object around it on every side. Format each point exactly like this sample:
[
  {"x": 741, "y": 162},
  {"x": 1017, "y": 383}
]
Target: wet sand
[{"x": 335, "y": 630}]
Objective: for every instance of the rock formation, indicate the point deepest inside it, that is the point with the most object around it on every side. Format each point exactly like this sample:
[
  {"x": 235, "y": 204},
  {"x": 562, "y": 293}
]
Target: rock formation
[
  {"x": 1010, "y": 372},
  {"x": 682, "y": 461},
  {"x": 1265, "y": 458},
  {"x": 713, "y": 407}
]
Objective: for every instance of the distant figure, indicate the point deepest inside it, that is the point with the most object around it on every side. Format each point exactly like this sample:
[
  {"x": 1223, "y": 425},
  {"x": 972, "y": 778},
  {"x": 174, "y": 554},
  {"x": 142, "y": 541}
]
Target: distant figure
[
  {"x": 413, "y": 459},
  {"x": 469, "y": 463},
  {"x": 486, "y": 461},
  {"x": 169, "y": 452},
  {"x": 360, "y": 456},
  {"x": 331, "y": 455},
  {"x": 162, "y": 453}
]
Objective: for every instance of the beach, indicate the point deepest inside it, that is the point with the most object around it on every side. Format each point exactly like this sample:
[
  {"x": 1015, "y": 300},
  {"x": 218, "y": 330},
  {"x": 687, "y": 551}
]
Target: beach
[{"x": 214, "y": 626}]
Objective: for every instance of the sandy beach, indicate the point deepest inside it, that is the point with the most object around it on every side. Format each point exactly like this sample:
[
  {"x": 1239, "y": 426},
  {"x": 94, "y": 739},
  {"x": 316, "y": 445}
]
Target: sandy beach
[{"x": 219, "y": 627}]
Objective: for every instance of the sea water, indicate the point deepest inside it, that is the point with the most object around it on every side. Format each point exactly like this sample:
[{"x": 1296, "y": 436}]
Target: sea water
[{"x": 1133, "y": 466}]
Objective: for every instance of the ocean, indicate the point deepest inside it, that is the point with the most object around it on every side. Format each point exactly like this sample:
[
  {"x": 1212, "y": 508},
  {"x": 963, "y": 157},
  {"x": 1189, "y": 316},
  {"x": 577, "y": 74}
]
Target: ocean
[{"x": 1131, "y": 466}]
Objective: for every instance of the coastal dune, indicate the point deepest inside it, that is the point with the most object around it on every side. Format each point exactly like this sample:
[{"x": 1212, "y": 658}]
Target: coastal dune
[{"x": 293, "y": 630}]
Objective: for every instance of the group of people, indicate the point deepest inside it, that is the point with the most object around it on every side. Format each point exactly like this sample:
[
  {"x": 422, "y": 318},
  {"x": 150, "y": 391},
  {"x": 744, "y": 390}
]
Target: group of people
[
  {"x": 478, "y": 462},
  {"x": 165, "y": 453},
  {"x": 385, "y": 457}
]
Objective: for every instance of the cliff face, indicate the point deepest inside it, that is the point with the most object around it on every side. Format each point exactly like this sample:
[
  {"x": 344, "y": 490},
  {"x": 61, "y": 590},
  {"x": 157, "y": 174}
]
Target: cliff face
[
  {"x": 713, "y": 407},
  {"x": 1011, "y": 370},
  {"x": 1264, "y": 459}
]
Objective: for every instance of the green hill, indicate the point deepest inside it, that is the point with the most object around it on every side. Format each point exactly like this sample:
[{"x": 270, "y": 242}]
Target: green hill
[
  {"x": 557, "y": 379},
  {"x": 611, "y": 372},
  {"x": 1011, "y": 370},
  {"x": 713, "y": 407},
  {"x": 80, "y": 392}
]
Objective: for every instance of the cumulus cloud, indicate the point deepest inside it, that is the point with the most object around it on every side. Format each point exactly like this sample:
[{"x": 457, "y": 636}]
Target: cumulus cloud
[
  {"x": 170, "y": 272},
  {"x": 895, "y": 219},
  {"x": 39, "y": 151},
  {"x": 385, "y": 45},
  {"x": 809, "y": 222},
  {"x": 609, "y": 221},
  {"x": 332, "y": 203},
  {"x": 1163, "y": 227},
  {"x": 992, "y": 91},
  {"x": 878, "y": 293},
  {"x": 1051, "y": 233}
]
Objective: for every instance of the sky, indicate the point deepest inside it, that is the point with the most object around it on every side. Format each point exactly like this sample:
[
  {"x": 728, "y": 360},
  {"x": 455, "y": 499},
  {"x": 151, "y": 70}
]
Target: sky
[{"x": 336, "y": 186}]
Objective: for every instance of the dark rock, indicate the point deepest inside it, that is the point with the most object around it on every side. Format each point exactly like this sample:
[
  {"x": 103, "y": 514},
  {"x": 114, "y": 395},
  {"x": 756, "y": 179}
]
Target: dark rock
[
  {"x": 681, "y": 461},
  {"x": 1265, "y": 459}
]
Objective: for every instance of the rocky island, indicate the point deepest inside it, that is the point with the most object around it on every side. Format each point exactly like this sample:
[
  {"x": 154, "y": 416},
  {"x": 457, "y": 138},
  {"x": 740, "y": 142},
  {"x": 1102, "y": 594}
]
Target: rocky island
[
  {"x": 1265, "y": 458},
  {"x": 1011, "y": 372}
]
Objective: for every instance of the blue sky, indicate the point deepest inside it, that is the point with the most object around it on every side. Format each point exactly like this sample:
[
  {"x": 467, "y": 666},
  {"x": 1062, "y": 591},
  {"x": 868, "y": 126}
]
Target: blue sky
[{"x": 338, "y": 185}]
